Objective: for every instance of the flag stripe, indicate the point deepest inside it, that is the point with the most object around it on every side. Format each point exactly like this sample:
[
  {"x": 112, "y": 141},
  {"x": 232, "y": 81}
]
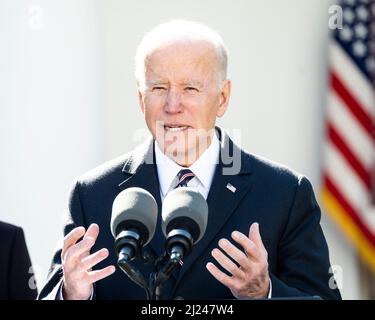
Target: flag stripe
[
  {"x": 348, "y": 208},
  {"x": 351, "y": 77},
  {"x": 338, "y": 214},
  {"x": 350, "y": 186},
  {"x": 358, "y": 140},
  {"x": 352, "y": 104},
  {"x": 349, "y": 156}
]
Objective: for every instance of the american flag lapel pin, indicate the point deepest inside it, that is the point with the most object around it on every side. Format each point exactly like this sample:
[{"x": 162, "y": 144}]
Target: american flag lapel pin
[{"x": 231, "y": 188}]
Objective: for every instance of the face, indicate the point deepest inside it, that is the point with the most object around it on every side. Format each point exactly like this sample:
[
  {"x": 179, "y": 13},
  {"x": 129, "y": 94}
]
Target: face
[{"x": 182, "y": 98}]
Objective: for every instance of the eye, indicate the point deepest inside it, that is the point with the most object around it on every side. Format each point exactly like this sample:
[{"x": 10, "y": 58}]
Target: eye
[
  {"x": 191, "y": 89},
  {"x": 158, "y": 88}
]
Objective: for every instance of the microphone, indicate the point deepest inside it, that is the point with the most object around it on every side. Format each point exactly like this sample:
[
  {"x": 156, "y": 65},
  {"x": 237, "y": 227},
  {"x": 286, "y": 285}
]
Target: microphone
[
  {"x": 133, "y": 222},
  {"x": 184, "y": 221}
]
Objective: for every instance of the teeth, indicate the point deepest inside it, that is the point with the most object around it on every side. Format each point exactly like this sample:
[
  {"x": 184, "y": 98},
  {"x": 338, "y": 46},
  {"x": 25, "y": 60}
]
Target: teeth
[{"x": 175, "y": 129}]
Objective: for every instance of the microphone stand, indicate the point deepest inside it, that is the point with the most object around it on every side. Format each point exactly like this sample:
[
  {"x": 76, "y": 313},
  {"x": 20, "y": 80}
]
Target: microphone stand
[
  {"x": 162, "y": 273},
  {"x": 179, "y": 244},
  {"x": 133, "y": 274},
  {"x": 163, "y": 268}
]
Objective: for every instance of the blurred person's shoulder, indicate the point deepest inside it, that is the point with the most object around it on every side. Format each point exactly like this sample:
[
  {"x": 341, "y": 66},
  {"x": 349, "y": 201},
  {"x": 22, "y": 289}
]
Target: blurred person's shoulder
[
  {"x": 8, "y": 233},
  {"x": 8, "y": 228}
]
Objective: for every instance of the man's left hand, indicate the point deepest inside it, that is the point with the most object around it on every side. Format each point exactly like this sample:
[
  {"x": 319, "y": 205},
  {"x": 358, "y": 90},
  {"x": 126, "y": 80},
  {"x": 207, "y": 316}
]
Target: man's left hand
[{"x": 249, "y": 277}]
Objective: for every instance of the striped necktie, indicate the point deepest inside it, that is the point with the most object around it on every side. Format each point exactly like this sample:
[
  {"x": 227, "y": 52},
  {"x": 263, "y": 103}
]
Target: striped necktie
[{"x": 184, "y": 176}]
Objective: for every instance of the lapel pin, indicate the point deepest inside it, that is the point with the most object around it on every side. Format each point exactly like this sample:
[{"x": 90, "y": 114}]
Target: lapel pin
[{"x": 231, "y": 188}]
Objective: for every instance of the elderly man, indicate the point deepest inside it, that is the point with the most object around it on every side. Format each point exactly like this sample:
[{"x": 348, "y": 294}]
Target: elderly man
[{"x": 263, "y": 237}]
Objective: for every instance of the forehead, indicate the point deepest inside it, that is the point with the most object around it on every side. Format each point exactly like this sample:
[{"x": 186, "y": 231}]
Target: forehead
[{"x": 183, "y": 59}]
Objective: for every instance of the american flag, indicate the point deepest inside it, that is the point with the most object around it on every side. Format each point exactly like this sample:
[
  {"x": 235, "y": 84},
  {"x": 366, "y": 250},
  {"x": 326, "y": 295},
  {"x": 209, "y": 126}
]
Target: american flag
[{"x": 349, "y": 146}]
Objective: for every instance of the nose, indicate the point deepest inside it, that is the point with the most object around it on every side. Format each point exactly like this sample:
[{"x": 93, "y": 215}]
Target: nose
[{"x": 173, "y": 103}]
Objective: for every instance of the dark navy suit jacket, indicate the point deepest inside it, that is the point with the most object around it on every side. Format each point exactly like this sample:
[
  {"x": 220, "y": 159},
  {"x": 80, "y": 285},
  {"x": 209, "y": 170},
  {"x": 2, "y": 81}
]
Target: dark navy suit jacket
[
  {"x": 281, "y": 201},
  {"x": 17, "y": 280}
]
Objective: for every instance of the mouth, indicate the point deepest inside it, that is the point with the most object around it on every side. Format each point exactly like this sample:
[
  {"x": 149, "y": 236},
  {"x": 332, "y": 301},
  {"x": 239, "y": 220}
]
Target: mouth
[{"x": 175, "y": 128}]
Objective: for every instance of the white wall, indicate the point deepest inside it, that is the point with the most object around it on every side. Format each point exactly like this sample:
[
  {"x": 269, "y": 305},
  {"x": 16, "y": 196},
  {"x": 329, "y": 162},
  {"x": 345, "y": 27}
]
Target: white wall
[
  {"x": 70, "y": 99},
  {"x": 49, "y": 114}
]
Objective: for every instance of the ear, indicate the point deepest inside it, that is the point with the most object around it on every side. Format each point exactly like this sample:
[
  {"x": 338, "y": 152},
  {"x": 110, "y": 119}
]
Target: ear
[
  {"x": 140, "y": 98},
  {"x": 224, "y": 98}
]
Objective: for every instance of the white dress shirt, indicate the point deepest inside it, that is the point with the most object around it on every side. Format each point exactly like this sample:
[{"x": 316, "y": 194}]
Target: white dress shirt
[{"x": 203, "y": 169}]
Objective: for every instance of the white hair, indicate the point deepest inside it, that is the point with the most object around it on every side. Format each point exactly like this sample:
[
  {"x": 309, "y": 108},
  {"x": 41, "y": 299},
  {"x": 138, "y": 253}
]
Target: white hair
[{"x": 179, "y": 31}]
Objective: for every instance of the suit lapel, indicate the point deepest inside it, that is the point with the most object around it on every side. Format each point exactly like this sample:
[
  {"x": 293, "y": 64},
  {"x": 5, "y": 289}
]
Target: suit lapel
[
  {"x": 222, "y": 200},
  {"x": 141, "y": 172}
]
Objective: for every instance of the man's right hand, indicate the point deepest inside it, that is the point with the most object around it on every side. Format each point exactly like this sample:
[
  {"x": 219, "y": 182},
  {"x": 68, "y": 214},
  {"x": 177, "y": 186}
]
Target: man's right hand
[{"x": 78, "y": 278}]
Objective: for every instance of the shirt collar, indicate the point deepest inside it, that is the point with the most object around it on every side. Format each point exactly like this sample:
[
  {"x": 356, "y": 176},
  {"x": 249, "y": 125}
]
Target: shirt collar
[
  {"x": 167, "y": 170},
  {"x": 203, "y": 168}
]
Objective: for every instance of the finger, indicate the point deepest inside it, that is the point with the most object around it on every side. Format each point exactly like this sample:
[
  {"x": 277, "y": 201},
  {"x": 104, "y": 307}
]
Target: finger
[
  {"x": 219, "y": 275},
  {"x": 254, "y": 235},
  {"x": 79, "y": 248},
  {"x": 92, "y": 231},
  {"x": 94, "y": 259},
  {"x": 226, "y": 263},
  {"x": 249, "y": 246},
  {"x": 235, "y": 253},
  {"x": 71, "y": 238},
  {"x": 97, "y": 275}
]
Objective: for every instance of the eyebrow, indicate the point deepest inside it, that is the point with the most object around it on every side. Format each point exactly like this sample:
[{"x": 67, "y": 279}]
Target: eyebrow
[
  {"x": 156, "y": 82},
  {"x": 193, "y": 83}
]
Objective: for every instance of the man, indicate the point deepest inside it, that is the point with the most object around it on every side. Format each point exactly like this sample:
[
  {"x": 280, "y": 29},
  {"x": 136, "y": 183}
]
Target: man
[
  {"x": 16, "y": 276},
  {"x": 262, "y": 216}
]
